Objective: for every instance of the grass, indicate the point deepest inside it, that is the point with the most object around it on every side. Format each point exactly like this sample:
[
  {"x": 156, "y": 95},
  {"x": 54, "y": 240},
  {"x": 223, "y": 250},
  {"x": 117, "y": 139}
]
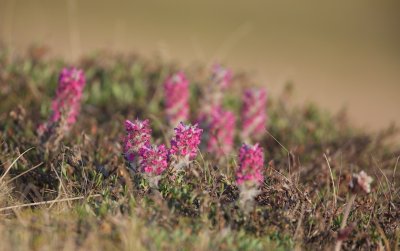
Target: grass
[{"x": 81, "y": 196}]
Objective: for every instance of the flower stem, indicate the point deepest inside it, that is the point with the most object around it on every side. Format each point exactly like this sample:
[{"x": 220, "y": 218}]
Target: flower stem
[{"x": 346, "y": 214}]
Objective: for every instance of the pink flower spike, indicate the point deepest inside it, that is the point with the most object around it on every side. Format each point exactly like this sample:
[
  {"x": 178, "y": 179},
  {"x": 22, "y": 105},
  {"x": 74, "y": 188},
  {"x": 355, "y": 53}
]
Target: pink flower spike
[
  {"x": 66, "y": 103},
  {"x": 138, "y": 134},
  {"x": 153, "y": 159},
  {"x": 186, "y": 141},
  {"x": 221, "y": 131},
  {"x": 222, "y": 76},
  {"x": 251, "y": 164},
  {"x": 176, "y": 90},
  {"x": 254, "y": 114}
]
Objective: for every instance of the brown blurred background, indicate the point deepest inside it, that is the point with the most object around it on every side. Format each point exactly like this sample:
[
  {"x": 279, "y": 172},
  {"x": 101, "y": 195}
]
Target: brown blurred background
[{"x": 337, "y": 53}]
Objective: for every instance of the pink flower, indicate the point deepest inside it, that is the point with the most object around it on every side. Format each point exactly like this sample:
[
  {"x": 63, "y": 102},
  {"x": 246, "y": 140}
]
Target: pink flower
[
  {"x": 361, "y": 182},
  {"x": 222, "y": 76},
  {"x": 153, "y": 159},
  {"x": 220, "y": 80},
  {"x": 221, "y": 131},
  {"x": 186, "y": 141},
  {"x": 251, "y": 164},
  {"x": 66, "y": 104},
  {"x": 138, "y": 134},
  {"x": 176, "y": 92},
  {"x": 254, "y": 114}
]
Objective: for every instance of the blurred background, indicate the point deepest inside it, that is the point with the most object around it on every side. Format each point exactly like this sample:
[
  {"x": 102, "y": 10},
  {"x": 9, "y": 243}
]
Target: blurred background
[{"x": 339, "y": 54}]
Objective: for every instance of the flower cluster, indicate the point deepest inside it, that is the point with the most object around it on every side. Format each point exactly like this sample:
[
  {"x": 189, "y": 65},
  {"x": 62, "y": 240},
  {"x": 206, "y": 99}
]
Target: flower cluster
[
  {"x": 186, "y": 141},
  {"x": 249, "y": 175},
  {"x": 221, "y": 131},
  {"x": 138, "y": 134},
  {"x": 251, "y": 164},
  {"x": 66, "y": 104},
  {"x": 361, "y": 182},
  {"x": 254, "y": 115},
  {"x": 220, "y": 80},
  {"x": 222, "y": 76},
  {"x": 176, "y": 89},
  {"x": 153, "y": 159}
]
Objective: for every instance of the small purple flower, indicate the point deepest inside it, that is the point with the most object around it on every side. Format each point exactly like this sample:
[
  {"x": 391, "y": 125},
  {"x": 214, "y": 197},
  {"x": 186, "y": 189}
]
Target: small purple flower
[
  {"x": 221, "y": 131},
  {"x": 138, "y": 134},
  {"x": 251, "y": 164},
  {"x": 176, "y": 89},
  {"x": 222, "y": 76},
  {"x": 254, "y": 114},
  {"x": 153, "y": 159},
  {"x": 66, "y": 104},
  {"x": 186, "y": 141}
]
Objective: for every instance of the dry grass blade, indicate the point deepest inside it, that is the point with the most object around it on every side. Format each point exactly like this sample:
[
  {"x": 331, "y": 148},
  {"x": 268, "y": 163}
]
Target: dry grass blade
[
  {"x": 333, "y": 182},
  {"x": 61, "y": 184},
  {"x": 23, "y": 173},
  {"x": 15, "y": 161},
  {"x": 299, "y": 231},
  {"x": 277, "y": 141},
  {"x": 382, "y": 234},
  {"x": 394, "y": 171},
  {"x": 47, "y": 202}
]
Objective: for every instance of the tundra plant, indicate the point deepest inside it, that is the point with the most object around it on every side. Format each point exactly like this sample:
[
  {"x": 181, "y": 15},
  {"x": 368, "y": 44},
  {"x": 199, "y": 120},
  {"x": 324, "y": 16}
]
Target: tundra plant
[
  {"x": 221, "y": 132},
  {"x": 249, "y": 175},
  {"x": 254, "y": 114},
  {"x": 184, "y": 145},
  {"x": 138, "y": 135},
  {"x": 153, "y": 161},
  {"x": 176, "y": 90},
  {"x": 360, "y": 184},
  {"x": 65, "y": 105},
  {"x": 220, "y": 80},
  {"x": 221, "y": 76}
]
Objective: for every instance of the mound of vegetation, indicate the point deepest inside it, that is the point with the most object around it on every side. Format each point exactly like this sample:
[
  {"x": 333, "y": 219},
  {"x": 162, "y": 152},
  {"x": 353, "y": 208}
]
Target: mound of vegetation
[{"x": 74, "y": 186}]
